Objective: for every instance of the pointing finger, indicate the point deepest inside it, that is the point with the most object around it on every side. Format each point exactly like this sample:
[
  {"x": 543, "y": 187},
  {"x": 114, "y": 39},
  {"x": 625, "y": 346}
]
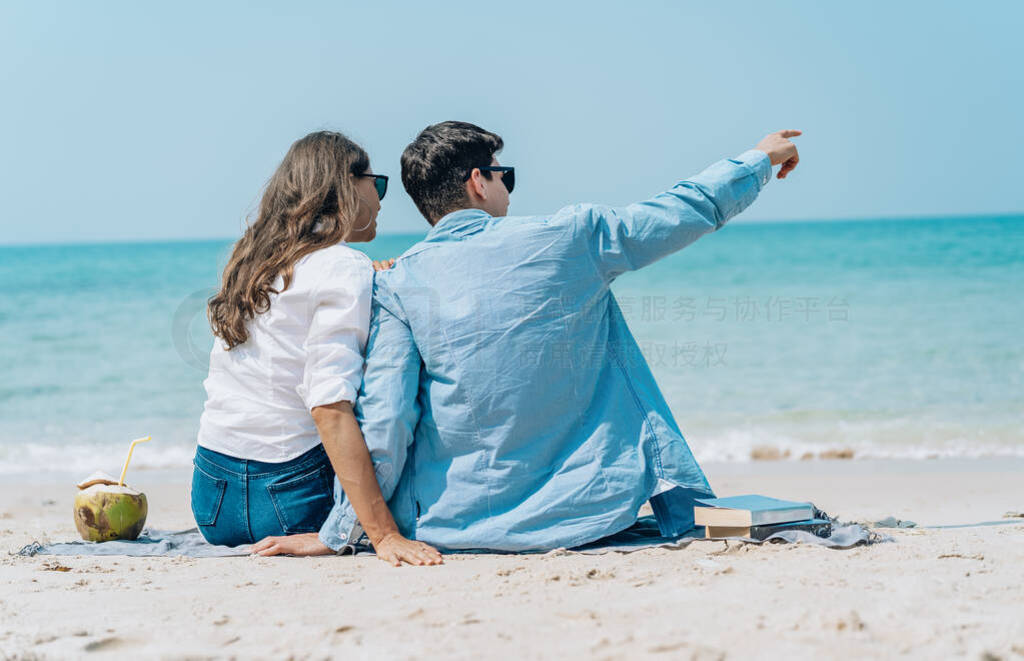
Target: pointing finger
[{"x": 790, "y": 133}]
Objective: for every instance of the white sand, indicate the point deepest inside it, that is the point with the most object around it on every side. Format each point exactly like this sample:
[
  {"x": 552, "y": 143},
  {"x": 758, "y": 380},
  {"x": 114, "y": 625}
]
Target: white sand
[{"x": 932, "y": 594}]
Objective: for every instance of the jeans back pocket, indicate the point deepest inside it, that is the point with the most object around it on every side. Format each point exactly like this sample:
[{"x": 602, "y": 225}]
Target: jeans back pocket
[
  {"x": 207, "y": 496},
  {"x": 302, "y": 503}
]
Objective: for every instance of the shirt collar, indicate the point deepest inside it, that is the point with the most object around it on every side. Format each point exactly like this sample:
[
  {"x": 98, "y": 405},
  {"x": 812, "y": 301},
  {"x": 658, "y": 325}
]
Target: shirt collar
[{"x": 459, "y": 223}]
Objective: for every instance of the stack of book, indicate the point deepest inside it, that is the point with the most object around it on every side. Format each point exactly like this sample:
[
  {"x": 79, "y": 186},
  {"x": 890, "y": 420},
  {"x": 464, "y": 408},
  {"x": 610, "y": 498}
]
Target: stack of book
[{"x": 756, "y": 517}]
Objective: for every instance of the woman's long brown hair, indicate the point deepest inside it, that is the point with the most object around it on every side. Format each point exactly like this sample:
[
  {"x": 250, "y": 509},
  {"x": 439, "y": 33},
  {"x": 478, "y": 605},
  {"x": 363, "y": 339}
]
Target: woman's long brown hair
[{"x": 309, "y": 203}]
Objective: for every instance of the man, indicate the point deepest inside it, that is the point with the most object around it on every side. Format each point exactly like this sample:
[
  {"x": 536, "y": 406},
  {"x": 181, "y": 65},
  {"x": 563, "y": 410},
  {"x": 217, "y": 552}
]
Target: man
[{"x": 505, "y": 402}]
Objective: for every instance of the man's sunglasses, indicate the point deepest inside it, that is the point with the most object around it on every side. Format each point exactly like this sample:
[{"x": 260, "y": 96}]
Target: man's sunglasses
[
  {"x": 508, "y": 175},
  {"x": 380, "y": 182}
]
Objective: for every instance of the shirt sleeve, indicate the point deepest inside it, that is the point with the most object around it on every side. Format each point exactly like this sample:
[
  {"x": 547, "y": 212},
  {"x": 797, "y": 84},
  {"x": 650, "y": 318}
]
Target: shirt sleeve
[
  {"x": 628, "y": 238},
  {"x": 337, "y": 334},
  {"x": 387, "y": 410}
]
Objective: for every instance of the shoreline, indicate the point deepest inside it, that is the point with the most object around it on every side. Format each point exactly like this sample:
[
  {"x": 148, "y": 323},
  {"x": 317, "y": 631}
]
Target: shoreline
[{"x": 922, "y": 490}]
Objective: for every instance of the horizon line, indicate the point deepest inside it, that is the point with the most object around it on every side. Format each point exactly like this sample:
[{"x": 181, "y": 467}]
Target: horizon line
[{"x": 760, "y": 221}]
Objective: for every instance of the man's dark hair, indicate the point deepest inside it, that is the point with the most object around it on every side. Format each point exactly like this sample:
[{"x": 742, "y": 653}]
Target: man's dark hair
[{"x": 435, "y": 165}]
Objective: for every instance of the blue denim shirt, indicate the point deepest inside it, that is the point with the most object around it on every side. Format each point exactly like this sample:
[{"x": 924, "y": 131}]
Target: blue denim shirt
[{"x": 505, "y": 402}]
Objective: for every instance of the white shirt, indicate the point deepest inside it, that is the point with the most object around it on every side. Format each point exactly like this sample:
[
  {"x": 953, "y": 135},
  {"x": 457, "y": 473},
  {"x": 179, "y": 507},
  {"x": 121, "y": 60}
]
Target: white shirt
[{"x": 305, "y": 351}]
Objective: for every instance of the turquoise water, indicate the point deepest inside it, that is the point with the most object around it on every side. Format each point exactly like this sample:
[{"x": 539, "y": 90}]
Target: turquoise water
[{"x": 885, "y": 338}]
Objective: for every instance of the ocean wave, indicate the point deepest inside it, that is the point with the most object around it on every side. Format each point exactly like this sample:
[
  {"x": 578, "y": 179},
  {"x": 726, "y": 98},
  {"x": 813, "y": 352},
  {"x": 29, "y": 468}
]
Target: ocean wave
[
  {"x": 87, "y": 458},
  {"x": 726, "y": 447},
  {"x": 747, "y": 446}
]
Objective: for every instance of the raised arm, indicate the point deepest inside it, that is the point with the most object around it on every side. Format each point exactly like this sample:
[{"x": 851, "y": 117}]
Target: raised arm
[{"x": 628, "y": 238}]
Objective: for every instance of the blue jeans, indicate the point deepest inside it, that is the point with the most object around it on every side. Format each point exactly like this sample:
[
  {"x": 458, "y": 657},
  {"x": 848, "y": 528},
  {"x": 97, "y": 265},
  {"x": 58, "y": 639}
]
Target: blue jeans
[{"x": 238, "y": 501}]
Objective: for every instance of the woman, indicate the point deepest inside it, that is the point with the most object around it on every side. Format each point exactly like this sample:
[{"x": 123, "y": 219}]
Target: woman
[{"x": 291, "y": 321}]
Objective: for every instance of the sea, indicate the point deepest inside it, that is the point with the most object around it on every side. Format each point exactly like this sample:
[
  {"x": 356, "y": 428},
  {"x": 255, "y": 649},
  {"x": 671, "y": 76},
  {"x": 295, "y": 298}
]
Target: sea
[{"x": 782, "y": 341}]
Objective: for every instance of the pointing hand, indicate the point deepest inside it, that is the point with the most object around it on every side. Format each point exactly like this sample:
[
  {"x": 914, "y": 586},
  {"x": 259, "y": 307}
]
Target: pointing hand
[{"x": 780, "y": 150}]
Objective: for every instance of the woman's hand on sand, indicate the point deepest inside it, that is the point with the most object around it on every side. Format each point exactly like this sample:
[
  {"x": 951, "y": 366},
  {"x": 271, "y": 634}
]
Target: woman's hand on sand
[
  {"x": 383, "y": 264},
  {"x": 392, "y": 548},
  {"x": 302, "y": 544},
  {"x": 395, "y": 549},
  {"x": 780, "y": 150}
]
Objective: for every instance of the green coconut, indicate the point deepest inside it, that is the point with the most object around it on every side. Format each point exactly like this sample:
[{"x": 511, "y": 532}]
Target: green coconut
[{"x": 106, "y": 510}]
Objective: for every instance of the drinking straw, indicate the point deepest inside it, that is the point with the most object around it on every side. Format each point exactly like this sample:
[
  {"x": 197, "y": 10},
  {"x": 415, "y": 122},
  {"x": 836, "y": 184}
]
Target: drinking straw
[{"x": 129, "y": 457}]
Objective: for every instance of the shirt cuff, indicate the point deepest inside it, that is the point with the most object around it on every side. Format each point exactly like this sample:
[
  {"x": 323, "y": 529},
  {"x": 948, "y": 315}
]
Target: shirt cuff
[
  {"x": 759, "y": 163},
  {"x": 328, "y": 392},
  {"x": 340, "y": 533}
]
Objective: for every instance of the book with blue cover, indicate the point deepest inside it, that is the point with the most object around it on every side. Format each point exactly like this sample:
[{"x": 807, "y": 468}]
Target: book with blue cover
[{"x": 749, "y": 510}]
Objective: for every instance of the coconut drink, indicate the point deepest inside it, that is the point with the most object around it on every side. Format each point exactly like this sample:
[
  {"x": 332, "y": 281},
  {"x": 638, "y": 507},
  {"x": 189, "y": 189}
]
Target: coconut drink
[{"x": 107, "y": 509}]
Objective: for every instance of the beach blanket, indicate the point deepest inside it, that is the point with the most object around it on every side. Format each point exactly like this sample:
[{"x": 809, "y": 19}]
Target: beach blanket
[
  {"x": 644, "y": 535},
  {"x": 641, "y": 535},
  {"x": 150, "y": 543}
]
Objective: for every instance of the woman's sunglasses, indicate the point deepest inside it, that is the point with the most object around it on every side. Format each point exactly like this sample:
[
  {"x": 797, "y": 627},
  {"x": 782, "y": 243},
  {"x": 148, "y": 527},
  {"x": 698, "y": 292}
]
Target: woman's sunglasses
[
  {"x": 380, "y": 182},
  {"x": 508, "y": 175}
]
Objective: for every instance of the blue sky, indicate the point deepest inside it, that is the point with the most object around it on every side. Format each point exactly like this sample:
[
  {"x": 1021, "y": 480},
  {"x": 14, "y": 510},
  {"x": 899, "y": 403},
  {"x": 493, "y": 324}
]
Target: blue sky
[{"x": 122, "y": 121}]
